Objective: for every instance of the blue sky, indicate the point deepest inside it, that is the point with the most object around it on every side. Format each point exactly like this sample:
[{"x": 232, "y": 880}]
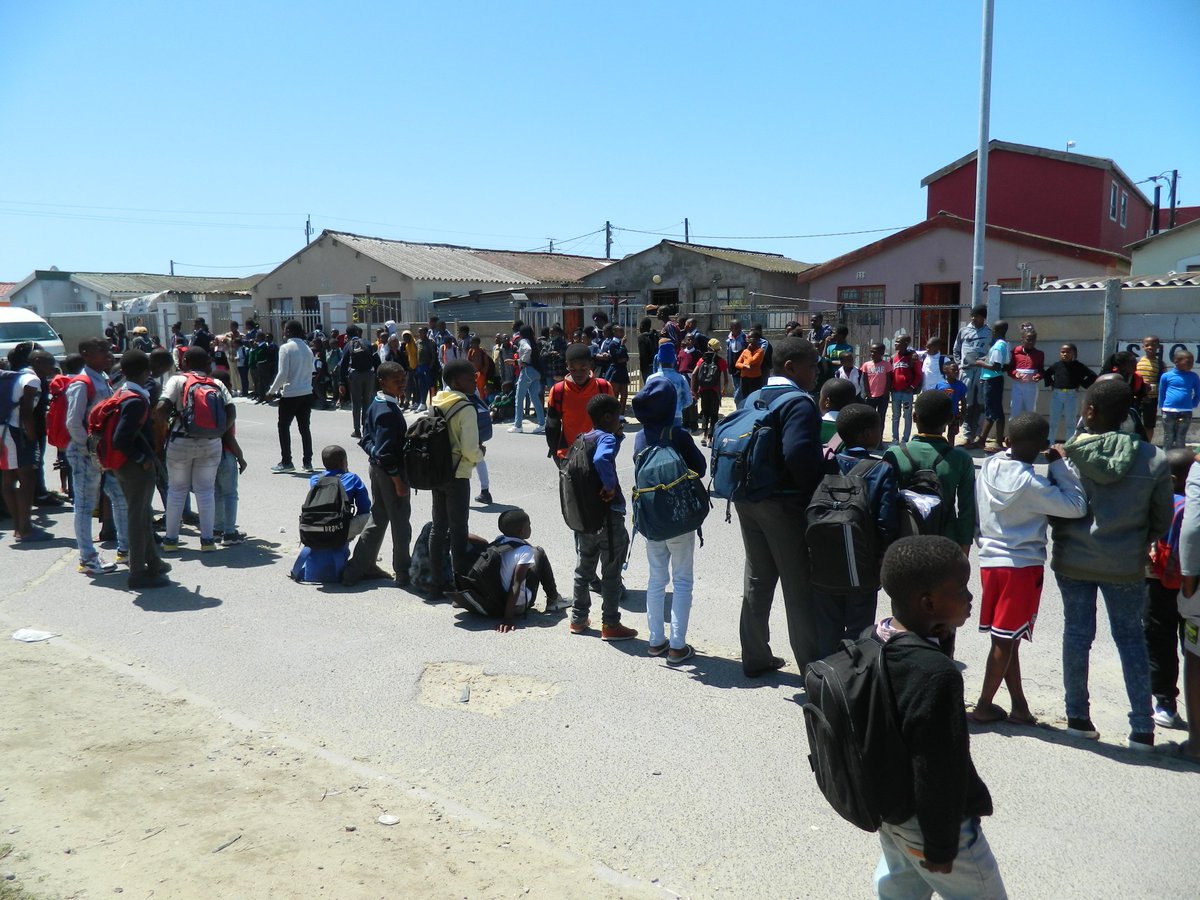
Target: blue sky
[{"x": 138, "y": 132}]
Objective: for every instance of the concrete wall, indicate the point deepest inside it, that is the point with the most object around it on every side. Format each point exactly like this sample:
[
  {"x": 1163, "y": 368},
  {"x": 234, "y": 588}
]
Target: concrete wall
[
  {"x": 49, "y": 297},
  {"x": 1169, "y": 252}
]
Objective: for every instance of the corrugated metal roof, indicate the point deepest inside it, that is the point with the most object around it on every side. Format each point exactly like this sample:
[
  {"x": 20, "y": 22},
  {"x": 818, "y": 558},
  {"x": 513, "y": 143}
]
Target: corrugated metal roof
[
  {"x": 143, "y": 283},
  {"x": 1171, "y": 279},
  {"x": 556, "y": 268},
  {"x": 6, "y": 286},
  {"x": 433, "y": 262},
  {"x": 764, "y": 262},
  {"x": 1165, "y": 233}
]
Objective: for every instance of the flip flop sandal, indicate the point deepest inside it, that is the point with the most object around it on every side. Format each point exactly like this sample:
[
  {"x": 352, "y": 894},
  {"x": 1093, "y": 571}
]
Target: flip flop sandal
[
  {"x": 973, "y": 719},
  {"x": 688, "y": 652},
  {"x": 658, "y": 650}
]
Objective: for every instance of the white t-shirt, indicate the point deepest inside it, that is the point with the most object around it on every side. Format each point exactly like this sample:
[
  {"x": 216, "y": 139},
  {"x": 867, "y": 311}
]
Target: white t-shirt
[
  {"x": 521, "y": 554},
  {"x": 931, "y": 367},
  {"x": 25, "y": 379},
  {"x": 173, "y": 392}
]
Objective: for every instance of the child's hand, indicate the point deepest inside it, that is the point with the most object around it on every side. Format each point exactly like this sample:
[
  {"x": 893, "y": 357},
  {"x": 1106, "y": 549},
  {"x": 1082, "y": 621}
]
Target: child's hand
[
  {"x": 944, "y": 868},
  {"x": 606, "y": 495},
  {"x": 506, "y": 627},
  {"x": 242, "y": 464}
]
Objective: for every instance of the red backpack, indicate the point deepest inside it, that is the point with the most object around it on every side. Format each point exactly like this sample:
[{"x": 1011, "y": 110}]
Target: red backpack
[
  {"x": 102, "y": 422},
  {"x": 56, "y": 413},
  {"x": 202, "y": 408}
]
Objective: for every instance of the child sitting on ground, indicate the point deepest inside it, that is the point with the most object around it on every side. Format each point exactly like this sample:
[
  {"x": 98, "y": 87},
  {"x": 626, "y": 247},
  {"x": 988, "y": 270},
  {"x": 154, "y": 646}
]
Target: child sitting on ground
[
  {"x": 1013, "y": 502},
  {"x": 523, "y": 570},
  {"x": 321, "y": 566},
  {"x": 932, "y": 842},
  {"x": 1162, "y": 623}
]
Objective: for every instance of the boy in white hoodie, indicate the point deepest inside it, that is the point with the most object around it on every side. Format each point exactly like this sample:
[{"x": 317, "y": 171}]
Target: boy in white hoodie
[{"x": 1013, "y": 502}]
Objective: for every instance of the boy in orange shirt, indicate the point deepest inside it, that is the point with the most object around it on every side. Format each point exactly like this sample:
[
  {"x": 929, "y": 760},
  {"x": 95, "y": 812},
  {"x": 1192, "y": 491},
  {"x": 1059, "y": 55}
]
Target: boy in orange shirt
[{"x": 566, "y": 407}]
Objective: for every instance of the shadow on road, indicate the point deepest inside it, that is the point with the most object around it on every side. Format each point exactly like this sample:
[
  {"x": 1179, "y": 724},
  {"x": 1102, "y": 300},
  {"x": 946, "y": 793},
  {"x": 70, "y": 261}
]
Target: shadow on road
[
  {"x": 469, "y": 621},
  {"x": 251, "y": 554},
  {"x": 176, "y": 598},
  {"x": 1164, "y": 755}
]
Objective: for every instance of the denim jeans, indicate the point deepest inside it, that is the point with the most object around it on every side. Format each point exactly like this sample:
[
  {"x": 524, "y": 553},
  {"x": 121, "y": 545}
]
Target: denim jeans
[
  {"x": 85, "y": 475},
  {"x": 900, "y": 876},
  {"x": 226, "y": 493},
  {"x": 387, "y": 512},
  {"x": 1024, "y": 397},
  {"x": 1064, "y": 405},
  {"x": 1124, "y": 603},
  {"x": 737, "y": 388},
  {"x": 670, "y": 560},
  {"x": 1175, "y": 429},
  {"x": 192, "y": 467},
  {"x": 902, "y": 402},
  {"x": 972, "y": 403},
  {"x": 529, "y": 387}
]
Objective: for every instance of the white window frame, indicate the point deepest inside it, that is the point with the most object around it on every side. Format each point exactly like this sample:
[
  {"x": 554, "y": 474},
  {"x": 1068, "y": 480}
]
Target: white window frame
[{"x": 1112, "y": 201}]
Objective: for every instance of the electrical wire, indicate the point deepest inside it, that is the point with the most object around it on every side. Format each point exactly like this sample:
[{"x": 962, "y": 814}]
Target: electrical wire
[
  {"x": 265, "y": 265},
  {"x": 761, "y": 237}
]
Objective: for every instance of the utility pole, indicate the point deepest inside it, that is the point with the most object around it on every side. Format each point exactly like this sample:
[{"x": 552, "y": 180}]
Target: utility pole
[
  {"x": 685, "y": 231},
  {"x": 981, "y": 157},
  {"x": 172, "y": 267},
  {"x": 608, "y": 240},
  {"x": 1174, "y": 185},
  {"x": 551, "y": 240},
  {"x": 1157, "y": 206},
  {"x": 308, "y": 229}
]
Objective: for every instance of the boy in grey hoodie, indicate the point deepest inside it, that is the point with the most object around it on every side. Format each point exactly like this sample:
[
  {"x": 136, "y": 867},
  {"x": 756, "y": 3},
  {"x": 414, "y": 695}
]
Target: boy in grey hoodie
[
  {"x": 1128, "y": 485},
  {"x": 1013, "y": 502}
]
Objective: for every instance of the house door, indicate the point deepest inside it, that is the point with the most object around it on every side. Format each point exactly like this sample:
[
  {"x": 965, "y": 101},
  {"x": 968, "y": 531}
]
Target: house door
[
  {"x": 940, "y": 319},
  {"x": 572, "y": 319}
]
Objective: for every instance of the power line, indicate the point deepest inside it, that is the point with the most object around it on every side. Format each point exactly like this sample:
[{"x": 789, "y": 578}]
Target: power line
[
  {"x": 126, "y": 220},
  {"x": 248, "y": 266},
  {"x": 563, "y": 243},
  {"x": 760, "y": 237}
]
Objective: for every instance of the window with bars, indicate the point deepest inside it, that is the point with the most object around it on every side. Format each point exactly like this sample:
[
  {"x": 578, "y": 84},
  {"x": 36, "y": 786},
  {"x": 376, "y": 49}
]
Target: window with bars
[{"x": 871, "y": 296}]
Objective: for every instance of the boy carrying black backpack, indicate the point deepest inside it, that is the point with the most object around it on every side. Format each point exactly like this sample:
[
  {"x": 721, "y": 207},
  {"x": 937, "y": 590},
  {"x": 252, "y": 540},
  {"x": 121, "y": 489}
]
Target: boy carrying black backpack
[
  {"x": 334, "y": 513},
  {"x": 888, "y": 733},
  {"x": 852, "y": 519}
]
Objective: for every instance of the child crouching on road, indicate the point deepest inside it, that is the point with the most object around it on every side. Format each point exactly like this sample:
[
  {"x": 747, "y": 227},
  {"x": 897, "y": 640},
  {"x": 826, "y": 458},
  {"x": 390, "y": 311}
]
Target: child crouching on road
[
  {"x": 934, "y": 843},
  {"x": 1013, "y": 502},
  {"x": 523, "y": 570},
  {"x": 327, "y": 566}
]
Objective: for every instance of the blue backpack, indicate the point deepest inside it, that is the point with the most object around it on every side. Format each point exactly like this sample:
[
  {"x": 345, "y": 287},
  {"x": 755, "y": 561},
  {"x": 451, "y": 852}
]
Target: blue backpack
[
  {"x": 747, "y": 457},
  {"x": 484, "y": 414},
  {"x": 669, "y": 499}
]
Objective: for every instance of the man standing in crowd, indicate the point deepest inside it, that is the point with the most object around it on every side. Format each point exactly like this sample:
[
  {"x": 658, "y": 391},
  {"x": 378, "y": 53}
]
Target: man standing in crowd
[
  {"x": 358, "y": 374},
  {"x": 773, "y": 529},
  {"x": 293, "y": 386},
  {"x": 735, "y": 343},
  {"x": 970, "y": 346}
]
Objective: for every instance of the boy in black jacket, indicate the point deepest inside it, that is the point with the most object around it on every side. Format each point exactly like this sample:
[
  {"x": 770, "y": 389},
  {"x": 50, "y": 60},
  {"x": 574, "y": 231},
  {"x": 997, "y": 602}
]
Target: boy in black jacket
[
  {"x": 384, "y": 430},
  {"x": 931, "y": 839},
  {"x": 134, "y": 436}
]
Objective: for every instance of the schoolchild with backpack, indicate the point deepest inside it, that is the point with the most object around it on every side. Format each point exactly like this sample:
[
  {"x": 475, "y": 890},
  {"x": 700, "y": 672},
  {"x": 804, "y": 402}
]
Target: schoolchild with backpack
[
  {"x": 334, "y": 513},
  {"x": 57, "y": 434},
  {"x": 710, "y": 378},
  {"x": 669, "y": 500},
  {"x": 594, "y": 508},
  {"x": 853, "y": 518},
  {"x": 766, "y": 461},
  {"x": 452, "y": 497},
  {"x": 20, "y": 394},
  {"x": 888, "y": 733},
  {"x": 200, "y": 410},
  {"x": 233, "y": 464},
  {"x": 505, "y": 578},
  {"x": 566, "y": 406},
  {"x": 90, "y": 388},
  {"x": 384, "y": 435},
  {"x": 133, "y": 438}
]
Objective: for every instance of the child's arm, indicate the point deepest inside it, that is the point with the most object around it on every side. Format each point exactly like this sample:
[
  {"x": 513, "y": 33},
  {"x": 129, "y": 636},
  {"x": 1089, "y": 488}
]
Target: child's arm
[
  {"x": 520, "y": 573},
  {"x": 236, "y": 449},
  {"x": 1061, "y": 494},
  {"x": 1163, "y": 382},
  {"x": 967, "y": 516},
  {"x": 605, "y": 460}
]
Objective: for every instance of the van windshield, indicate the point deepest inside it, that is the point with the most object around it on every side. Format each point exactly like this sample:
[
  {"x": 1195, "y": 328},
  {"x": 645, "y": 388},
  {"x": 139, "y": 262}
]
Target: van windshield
[{"x": 15, "y": 332}]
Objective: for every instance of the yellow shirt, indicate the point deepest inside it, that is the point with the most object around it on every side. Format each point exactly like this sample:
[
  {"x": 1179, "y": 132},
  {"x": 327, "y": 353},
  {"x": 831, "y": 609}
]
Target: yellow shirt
[{"x": 1150, "y": 369}]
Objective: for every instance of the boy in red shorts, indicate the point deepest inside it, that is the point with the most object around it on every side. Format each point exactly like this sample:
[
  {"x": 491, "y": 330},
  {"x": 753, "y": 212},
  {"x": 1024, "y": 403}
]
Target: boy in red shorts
[{"x": 1013, "y": 503}]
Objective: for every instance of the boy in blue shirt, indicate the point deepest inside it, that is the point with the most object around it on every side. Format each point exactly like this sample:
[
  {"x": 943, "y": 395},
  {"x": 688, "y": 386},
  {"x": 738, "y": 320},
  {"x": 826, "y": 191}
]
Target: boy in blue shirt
[
  {"x": 323, "y": 566},
  {"x": 1178, "y": 396},
  {"x": 608, "y": 547},
  {"x": 956, "y": 389}
]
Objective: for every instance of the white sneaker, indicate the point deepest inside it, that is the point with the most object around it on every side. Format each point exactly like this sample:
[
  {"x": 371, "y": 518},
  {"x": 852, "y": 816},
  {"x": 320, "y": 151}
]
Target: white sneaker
[
  {"x": 516, "y": 430},
  {"x": 541, "y": 429},
  {"x": 97, "y": 566},
  {"x": 1167, "y": 719}
]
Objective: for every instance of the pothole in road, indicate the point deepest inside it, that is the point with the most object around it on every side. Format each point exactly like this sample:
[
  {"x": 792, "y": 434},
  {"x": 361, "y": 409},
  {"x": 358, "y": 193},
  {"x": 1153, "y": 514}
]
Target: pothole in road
[{"x": 456, "y": 685}]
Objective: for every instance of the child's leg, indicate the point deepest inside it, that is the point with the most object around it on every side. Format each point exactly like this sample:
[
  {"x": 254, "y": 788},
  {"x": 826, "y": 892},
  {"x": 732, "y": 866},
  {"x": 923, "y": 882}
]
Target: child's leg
[
  {"x": 682, "y": 550},
  {"x": 1191, "y": 685},
  {"x": 615, "y": 542},
  {"x": 995, "y": 671},
  {"x": 545, "y": 576},
  {"x": 1020, "y": 712},
  {"x": 1161, "y": 627},
  {"x": 1124, "y": 603},
  {"x": 587, "y": 556},
  {"x": 658, "y": 559},
  {"x": 901, "y": 876}
]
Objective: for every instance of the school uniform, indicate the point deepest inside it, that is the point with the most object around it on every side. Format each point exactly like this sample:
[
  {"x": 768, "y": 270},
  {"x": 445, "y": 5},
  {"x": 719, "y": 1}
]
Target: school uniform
[{"x": 384, "y": 434}]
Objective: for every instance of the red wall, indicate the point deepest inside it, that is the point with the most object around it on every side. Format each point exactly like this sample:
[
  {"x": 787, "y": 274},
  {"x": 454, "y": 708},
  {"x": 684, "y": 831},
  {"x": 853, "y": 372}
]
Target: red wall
[{"x": 1042, "y": 196}]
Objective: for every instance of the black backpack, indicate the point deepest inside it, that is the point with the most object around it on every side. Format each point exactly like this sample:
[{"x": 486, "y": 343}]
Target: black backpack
[
  {"x": 854, "y": 739},
  {"x": 924, "y": 509},
  {"x": 842, "y": 538},
  {"x": 428, "y": 458},
  {"x": 710, "y": 373},
  {"x": 326, "y": 514},
  {"x": 360, "y": 355},
  {"x": 579, "y": 489},
  {"x": 480, "y": 587}
]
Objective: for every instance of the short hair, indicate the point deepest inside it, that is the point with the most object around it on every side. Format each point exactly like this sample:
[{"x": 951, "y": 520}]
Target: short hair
[
  {"x": 464, "y": 329},
  {"x": 18, "y": 356},
  {"x": 93, "y": 345},
  {"x": 351, "y": 330},
  {"x": 578, "y": 352},
  {"x": 222, "y": 377},
  {"x": 456, "y": 369},
  {"x": 161, "y": 355},
  {"x": 841, "y": 329},
  {"x": 914, "y": 564},
  {"x": 1122, "y": 358},
  {"x": 1000, "y": 327},
  {"x": 511, "y": 521},
  {"x": 936, "y": 339},
  {"x": 1182, "y": 351},
  {"x": 73, "y": 363},
  {"x": 838, "y": 393},
  {"x": 1029, "y": 427},
  {"x": 389, "y": 370},
  {"x": 517, "y": 323},
  {"x": 934, "y": 410},
  {"x": 134, "y": 364},
  {"x": 292, "y": 328},
  {"x": 1074, "y": 349},
  {"x": 1111, "y": 399},
  {"x": 332, "y": 455},
  {"x": 644, "y": 324},
  {"x": 854, "y": 421},
  {"x": 979, "y": 310},
  {"x": 602, "y": 405},
  {"x": 196, "y": 358},
  {"x": 1179, "y": 461},
  {"x": 791, "y": 348}
]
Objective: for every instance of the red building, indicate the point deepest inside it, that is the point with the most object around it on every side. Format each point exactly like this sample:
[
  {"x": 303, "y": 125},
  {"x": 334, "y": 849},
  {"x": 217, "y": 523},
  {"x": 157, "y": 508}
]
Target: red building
[{"x": 1070, "y": 197}]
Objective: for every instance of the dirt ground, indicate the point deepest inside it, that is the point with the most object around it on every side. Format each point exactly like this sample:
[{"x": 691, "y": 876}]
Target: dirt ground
[{"x": 109, "y": 786}]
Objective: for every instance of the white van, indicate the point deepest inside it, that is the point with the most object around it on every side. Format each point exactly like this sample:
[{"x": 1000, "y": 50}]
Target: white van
[{"x": 18, "y": 324}]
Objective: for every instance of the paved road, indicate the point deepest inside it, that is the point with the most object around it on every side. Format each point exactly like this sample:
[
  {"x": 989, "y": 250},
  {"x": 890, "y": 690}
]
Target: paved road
[{"x": 695, "y": 778}]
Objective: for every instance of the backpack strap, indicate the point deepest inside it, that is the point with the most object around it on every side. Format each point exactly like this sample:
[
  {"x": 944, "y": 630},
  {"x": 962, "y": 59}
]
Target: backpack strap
[
  {"x": 912, "y": 462},
  {"x": 863, "y": 466}
]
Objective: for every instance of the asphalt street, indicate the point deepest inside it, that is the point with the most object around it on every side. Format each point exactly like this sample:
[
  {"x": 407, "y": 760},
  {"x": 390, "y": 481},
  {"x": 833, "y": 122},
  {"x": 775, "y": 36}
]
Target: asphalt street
[{"x": 695, "y": 779}]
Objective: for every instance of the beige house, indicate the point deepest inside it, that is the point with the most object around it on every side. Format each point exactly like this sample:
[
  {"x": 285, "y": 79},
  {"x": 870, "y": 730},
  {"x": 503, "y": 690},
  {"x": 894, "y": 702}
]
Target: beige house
[
  {"x": 400, "y": 279},
  {"x": 1176, "y": 250}
]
